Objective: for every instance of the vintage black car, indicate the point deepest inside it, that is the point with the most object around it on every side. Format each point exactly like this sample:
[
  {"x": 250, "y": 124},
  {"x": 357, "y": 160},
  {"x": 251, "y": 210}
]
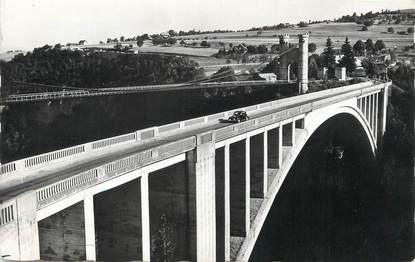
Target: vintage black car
[{"x": 238, "y": 116}]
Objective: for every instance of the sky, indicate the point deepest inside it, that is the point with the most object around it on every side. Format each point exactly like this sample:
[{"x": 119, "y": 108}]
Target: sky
[{"x": 25, "y": 24}]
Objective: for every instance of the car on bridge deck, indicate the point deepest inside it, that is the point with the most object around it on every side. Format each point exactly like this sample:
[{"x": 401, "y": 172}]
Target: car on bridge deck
[{"x": 236, "y": 117}]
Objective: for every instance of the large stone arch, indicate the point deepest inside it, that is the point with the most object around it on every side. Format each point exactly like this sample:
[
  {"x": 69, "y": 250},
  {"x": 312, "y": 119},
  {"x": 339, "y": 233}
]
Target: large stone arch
[{"x": 312, "y": 122}]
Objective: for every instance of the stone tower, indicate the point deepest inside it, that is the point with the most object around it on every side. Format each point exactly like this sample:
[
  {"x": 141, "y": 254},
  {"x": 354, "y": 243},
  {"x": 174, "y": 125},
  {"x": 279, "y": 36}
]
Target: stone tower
[
  {"x": 285, "y": 38},
  {"x": 303, "y": 63}
]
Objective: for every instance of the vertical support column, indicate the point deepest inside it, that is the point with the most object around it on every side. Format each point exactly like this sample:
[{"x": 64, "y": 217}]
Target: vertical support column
[
  {"x": 371, "y": 111},
  {"x": 227, "y": 194},
  {"x": 90, "y": 248},
  {"x": 375, "y": 131},
  {"x": 202, "y": 220},
  {"x": 247, "y": 183},
  {"x": 363, "y": 108},
  {"x": 303, "y": 63},
  {"x": 367, "y": 109},
  {"x": 265, "y": 184},
  {"x": 359, "y": 103},
  {"x": 28, "y": 233},
  {"x": 280, "y": 144},
  {"x": 145, "y": 218},
  {"x": 383, "y": 106}
]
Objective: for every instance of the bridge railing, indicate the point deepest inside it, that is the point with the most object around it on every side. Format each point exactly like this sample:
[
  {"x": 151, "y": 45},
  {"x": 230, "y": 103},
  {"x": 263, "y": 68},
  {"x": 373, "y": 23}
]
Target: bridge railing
[{"x": 154, "y": 132}]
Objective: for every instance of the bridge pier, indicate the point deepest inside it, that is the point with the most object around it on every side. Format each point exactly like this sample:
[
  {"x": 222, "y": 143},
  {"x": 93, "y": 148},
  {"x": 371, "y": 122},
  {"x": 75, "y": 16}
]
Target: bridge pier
[{"x": 202, "y": 216}]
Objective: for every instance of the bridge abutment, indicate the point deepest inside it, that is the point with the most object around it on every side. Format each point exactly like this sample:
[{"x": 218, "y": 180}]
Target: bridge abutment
[{"x": 19, "y": 235}]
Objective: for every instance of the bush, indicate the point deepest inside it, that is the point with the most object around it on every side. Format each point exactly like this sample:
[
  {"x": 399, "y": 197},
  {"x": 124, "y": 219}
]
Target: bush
[
  {"x": 368, "y": 22},
  {"x": 410, "y": 30},
  {"x": 364, "y": 28},
  {"x": 391, "y": 30},
  {"x": 401, "y": 33},
  {"x": 312, "y": 47}
]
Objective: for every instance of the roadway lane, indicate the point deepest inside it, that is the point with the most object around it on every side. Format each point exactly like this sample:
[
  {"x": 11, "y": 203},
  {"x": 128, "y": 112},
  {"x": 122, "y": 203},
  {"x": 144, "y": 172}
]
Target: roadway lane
[{"x": 65, "y": 169}]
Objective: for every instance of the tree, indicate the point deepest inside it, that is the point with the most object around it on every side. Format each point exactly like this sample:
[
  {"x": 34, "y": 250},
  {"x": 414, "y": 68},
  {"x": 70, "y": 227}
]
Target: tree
[
  {"x": 312, "y": 47},
  {"x": 348, "y": 59},
  {"x": 164, "y": 242},
  {"x": 172, "y": 33},
  {"x": 275, "y": 48},
  {"x": 259, "y": 32},
  {"x": 359, "y": 48},
  {"x": 329, "y": 59},
  {"x": 369, "y": 46},
  {"x": 368, "y": 23},
  {"x": 140, "y": 41},
  {"x": 302, "y": 24},
  {"x": 262, "y": 49},
  {"x": 380, "y": 45},
  {"x": 122, "y": 38},
  {"x": 391, "y": 30},
  {"x": 410, "y": 30}
]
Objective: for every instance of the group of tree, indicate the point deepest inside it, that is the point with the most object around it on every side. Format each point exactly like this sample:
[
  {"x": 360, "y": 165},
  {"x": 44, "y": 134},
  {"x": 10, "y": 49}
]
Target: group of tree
[
  {"x": 86, "y": 69},
  {"x": 270, "y": 27},
  {"x": 161, "y": 40},
  {"x": 361, "y": 48}
]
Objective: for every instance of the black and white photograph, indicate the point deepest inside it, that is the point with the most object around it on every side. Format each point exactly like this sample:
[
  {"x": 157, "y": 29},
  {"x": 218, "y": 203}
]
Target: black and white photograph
[{"x": 196, "y": 130}]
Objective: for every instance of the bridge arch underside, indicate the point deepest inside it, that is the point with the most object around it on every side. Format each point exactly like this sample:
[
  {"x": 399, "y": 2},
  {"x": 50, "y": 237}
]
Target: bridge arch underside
[{"x": 326, "y": 207}]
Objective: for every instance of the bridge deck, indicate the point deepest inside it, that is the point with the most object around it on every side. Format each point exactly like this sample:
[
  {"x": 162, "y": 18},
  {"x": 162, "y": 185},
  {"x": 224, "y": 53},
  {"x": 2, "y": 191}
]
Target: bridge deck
[{"x": 56, "y": 172}]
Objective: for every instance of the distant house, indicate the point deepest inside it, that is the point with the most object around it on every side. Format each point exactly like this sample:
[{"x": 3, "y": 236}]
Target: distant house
[
  {"x": 269, "y": 77},
  {"x": 165, "y": 35}
]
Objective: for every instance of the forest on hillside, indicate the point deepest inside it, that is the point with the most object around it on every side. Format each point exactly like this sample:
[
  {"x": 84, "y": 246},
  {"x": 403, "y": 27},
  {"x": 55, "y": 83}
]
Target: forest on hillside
[{"x": 91, "y": 69}]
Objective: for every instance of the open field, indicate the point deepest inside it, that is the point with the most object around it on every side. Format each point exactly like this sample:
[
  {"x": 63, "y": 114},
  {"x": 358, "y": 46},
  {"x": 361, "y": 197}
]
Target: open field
[{"x": 318, "y": 35}]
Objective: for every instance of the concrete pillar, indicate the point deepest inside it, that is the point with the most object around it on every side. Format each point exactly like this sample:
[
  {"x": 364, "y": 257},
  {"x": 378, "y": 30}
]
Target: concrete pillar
[
  {"x": 274, "y": 148},
  {"x": 90, "y": 248},
  {"x": 227, "y": 194},
  {"x": 145, "y": 218},
  {"x": 376, "y": 116},
  {"x": 373, "y": 113},
  {"x": 220, "y": 203},
  {"x": 370, "y": 117},
  {"x": 303, "y": 63},
  {"x": 367, "y": 109},
  {"x": 239, "y": 183},
  {"x": 383, "y": 106},
  {"x": 258, "y": 168},
  {"x": 363, "y": 109},
  {"x": 202, "y": 217},
  {"x": 28, "y": 233}
]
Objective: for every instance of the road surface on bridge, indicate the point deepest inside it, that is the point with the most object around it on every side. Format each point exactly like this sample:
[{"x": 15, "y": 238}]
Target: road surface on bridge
[{"x": 57, "y": 171}]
